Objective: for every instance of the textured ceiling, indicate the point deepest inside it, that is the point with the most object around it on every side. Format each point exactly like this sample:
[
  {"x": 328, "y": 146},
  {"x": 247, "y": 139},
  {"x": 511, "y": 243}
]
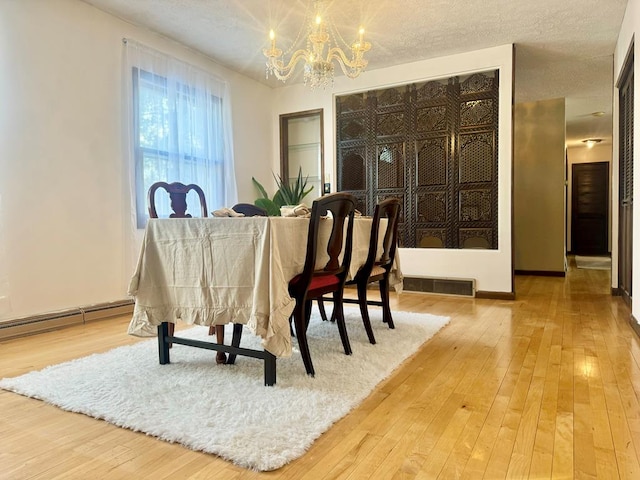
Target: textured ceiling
[{"x": 564, "y": 48}]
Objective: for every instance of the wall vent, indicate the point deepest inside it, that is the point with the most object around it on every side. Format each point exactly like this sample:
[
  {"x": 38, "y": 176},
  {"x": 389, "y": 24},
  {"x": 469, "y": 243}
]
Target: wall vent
[{"x": 442, "y": 286}]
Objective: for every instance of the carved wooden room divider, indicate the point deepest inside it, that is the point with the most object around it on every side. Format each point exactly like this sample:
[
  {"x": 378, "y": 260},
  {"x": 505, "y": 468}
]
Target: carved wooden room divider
[{"x": 434, "y": 145}]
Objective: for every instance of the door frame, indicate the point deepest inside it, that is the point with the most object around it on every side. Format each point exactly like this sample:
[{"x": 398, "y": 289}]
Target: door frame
[{"x": 626, "y": 291}]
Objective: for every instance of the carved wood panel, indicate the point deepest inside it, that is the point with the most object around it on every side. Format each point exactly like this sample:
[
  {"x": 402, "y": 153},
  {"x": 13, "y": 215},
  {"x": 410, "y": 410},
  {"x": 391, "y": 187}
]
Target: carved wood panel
[{"x": 433, "y": 145}]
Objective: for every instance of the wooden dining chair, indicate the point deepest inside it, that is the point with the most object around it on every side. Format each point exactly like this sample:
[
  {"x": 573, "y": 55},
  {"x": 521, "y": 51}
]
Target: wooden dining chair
[
  {"x": 312, "y": 283},
  {"x": 377, "y": 267},
  {"x": 249, "y": 210},
  {"x": 178, "y": 194}
]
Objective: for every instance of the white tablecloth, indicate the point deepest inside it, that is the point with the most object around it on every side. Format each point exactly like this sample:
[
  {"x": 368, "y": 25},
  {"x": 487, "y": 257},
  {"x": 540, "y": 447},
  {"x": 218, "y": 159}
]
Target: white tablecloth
[{"x": 208, "y": 271}]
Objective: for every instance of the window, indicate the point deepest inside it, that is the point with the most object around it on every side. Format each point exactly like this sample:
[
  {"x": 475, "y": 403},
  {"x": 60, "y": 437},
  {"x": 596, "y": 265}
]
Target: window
[{"x": 181, "y": 131}]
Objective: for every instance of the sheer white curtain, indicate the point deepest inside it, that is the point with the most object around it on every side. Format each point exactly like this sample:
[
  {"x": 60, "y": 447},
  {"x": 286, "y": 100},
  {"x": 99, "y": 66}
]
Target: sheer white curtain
[{"x": 179, "y": 130}]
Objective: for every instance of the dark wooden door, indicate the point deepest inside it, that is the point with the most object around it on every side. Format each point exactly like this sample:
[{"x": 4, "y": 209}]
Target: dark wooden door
[
  {"x": 590, "y": 208},
  {"x": 625, "y": 198}
]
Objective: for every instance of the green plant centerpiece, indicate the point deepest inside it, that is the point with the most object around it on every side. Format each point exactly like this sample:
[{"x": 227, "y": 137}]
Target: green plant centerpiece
[{"x": 287, "y": 194}]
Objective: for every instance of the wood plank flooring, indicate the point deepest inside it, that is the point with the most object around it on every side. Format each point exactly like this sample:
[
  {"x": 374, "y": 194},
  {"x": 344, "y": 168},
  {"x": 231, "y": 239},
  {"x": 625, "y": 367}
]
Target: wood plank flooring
[{"x": 545, "y": 386}]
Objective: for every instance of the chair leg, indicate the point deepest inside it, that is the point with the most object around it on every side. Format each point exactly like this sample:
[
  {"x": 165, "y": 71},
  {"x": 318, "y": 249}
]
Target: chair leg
[
  {"x": 364, "y": 311},
  {"x": 235, "y": 342},
  {"x": 221, "y": 357},
  {"x": 307, "y": 313},
  {"x": 323, "y": 313},
  {"x": 293, "y": 333},
  {"x": 342, "y": 327},
  {"x": 333, "y": 313},
  {"x": 171, "y": 329},
  {"x": 299, "y": 319},
  {"x": 384, "y": 296}
]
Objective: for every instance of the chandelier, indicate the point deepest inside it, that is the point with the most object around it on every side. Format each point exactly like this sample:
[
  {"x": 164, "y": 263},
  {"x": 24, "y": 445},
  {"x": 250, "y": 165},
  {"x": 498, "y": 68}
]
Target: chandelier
[{"x": 323, "y": 46}]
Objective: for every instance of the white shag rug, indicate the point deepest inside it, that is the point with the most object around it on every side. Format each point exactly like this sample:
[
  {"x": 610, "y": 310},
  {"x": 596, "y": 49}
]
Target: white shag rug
[{"x": 226, "y": 409}]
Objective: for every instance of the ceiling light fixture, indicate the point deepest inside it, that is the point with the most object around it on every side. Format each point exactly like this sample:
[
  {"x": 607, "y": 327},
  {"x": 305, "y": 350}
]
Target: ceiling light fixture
[
  {"x": 590, "y": 142},
  {"x": 322, "y": 47}
]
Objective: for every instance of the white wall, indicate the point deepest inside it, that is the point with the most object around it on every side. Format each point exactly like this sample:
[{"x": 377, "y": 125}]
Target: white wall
[
  {"x": 583, "y": 154},
  {"x": 630, "y": 26},
  {"x": 492, "y": 269},
  {"x": 61, "y": 162}
]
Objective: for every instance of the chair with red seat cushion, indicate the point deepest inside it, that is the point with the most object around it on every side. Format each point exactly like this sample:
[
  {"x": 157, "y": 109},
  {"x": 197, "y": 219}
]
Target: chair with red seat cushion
[
  {"x": 178, "y": 194},
  {"x": 313, "y": 283}
]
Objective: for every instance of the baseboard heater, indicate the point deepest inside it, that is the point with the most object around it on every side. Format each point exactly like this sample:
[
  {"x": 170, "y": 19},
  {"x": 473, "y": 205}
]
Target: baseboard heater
[
  {"x": 442, "y": 286},
  {"x": 53, "y": 320}
]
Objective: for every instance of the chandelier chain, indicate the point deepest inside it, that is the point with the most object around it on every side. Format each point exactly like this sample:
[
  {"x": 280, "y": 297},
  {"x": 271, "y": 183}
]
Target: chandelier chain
[{"x": 307, "y": 19}]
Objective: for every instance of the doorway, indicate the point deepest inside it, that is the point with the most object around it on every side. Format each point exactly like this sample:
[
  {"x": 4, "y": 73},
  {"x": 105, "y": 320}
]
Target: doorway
[
  {"x": 302, "y": 148},
  {"x": 625, "y": 194},
  {"x": 590, "y": 208}
]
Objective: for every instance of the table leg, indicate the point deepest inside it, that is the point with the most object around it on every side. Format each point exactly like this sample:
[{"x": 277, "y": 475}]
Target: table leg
[
  {"x": 269, "y": 369},
  {"x": 163, "y": 344}
]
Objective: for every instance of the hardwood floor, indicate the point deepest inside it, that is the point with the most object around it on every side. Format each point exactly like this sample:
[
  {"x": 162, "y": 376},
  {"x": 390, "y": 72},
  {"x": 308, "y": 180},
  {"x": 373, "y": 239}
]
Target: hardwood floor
[{"x": 545, "y": 386}]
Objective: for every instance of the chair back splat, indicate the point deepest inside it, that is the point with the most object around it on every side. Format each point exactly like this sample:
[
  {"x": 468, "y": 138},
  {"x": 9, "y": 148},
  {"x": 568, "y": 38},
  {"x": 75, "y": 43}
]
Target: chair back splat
[
  {"x": 342, "y": 207},
  {"x": 313, "y": 283},
  {"x": 178, "y": 193}
]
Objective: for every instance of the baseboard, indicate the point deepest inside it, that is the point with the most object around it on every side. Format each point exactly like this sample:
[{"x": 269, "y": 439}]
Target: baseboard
[
  {"x": 545, "y": 273},
  {"x": 101, "y": 311},
  {"x": 616, "y": 292},
  {"x": 496, "y": 295},
  {"x": 33, "y": 324},
  {"x": 38, "y": 324},
  {"x": 634, "y": 324}
]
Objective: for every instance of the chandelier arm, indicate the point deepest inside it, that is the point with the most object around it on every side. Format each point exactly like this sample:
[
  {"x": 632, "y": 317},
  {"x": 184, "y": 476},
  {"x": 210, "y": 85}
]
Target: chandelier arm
[
  {"x": 350, "y": 68},
  {"x": 337, "y": 54},
  {"x": 282, "y": 71}
]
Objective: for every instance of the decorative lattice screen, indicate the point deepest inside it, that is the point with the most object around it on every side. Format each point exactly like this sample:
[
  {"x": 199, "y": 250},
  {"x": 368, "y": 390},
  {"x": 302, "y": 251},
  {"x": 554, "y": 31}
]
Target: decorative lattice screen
[{"x": 434, "y": 145}]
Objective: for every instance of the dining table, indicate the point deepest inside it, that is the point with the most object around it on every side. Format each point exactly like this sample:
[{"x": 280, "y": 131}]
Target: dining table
[{"x": 219, "y": 270}]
